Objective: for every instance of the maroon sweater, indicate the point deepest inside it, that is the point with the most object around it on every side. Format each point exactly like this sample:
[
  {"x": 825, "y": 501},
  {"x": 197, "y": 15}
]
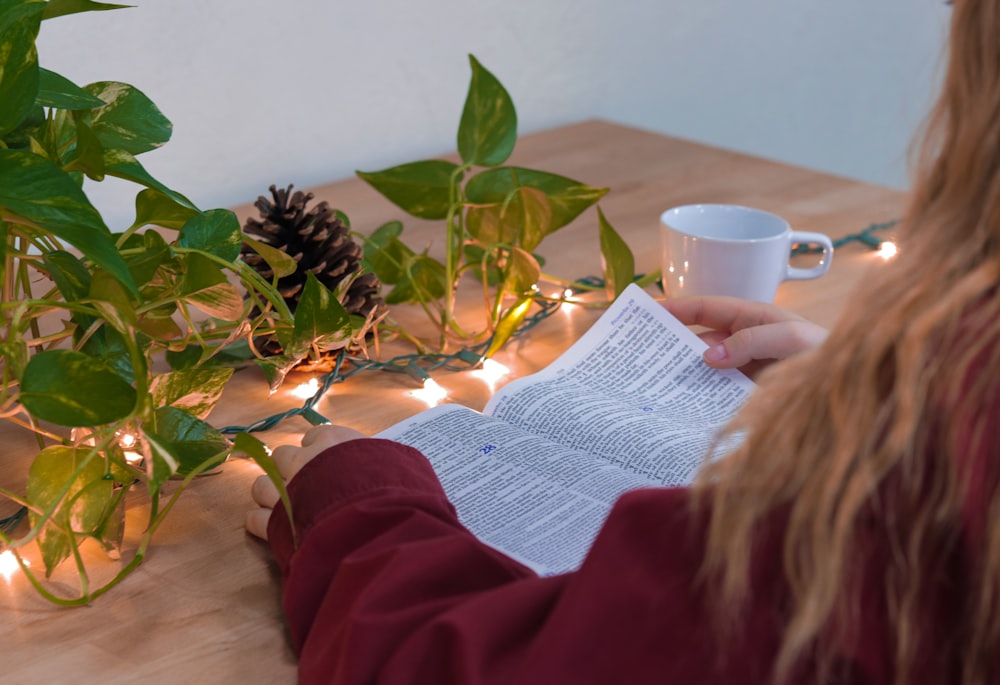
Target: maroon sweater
[{"x": 387, "y": 586}]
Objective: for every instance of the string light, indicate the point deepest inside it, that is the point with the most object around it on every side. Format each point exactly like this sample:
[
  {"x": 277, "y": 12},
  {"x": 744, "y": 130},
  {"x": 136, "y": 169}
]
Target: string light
[
  {"x": 9, "y": 565},
  {"x": 469, "y": 358},
  {"x": 865, "y": 237},
  {"x": 565, "y": 298},
  {"x": 465, "y": 359},
  {"x": 417, "y": 366},
  {"x": 306, "y": 390},
  {"x": 431, "y": 393},
  {"x": 887, "y": 250},
  {"x": 491, "y": 372},
  {"x": 127, "y": 441}
]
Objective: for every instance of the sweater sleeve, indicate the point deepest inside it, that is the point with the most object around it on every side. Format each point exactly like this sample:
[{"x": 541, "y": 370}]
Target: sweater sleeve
[
  {"x": 380, "y": 552},
  {"x": 385, "y": 585}
]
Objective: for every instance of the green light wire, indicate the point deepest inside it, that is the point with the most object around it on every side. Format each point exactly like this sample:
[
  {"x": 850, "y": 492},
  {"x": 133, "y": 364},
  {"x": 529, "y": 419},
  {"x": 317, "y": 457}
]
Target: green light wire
[
  {"x": 865, "y": 237},
  {"x": 419, "y": 366}
]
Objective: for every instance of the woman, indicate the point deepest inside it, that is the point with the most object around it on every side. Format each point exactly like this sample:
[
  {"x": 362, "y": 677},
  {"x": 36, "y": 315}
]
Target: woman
[{"x": 853, "y": 538}]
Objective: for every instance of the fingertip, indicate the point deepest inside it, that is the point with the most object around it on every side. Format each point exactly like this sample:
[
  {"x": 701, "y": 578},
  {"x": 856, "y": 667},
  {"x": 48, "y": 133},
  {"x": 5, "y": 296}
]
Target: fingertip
[
  {"x": 263, "y": 491},
  {"x": 255, "y": 522},
  {"x": 716, "y": 354},
  {"x": 314, "y": 433}
]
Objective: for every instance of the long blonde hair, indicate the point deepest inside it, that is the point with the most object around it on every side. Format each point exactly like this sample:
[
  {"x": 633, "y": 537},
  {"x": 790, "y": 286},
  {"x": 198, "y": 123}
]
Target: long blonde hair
[{"x": 887, "y": 431}]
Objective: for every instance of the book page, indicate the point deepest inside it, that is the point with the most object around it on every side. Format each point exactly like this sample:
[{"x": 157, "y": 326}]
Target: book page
[
  {"x": 631, "y": 404},
  {"x": 633, "y": 390},
  {"x": 537, "y": 501}
]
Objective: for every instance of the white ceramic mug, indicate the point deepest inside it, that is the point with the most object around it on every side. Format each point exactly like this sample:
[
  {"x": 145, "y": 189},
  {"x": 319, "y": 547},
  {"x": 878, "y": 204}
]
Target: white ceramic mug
[{"x": 716, "y": 249}]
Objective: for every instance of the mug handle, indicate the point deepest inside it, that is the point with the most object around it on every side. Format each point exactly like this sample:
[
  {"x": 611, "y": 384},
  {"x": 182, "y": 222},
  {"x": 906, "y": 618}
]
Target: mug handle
[{"x": 809, "y": 238}]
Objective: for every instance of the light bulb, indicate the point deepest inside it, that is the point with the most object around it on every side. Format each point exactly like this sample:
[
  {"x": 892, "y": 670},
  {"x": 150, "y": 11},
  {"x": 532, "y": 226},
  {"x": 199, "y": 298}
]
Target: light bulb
[
  {"x": 306, "y": 390},
  {"x": 887, "y": 250},
  {"x": 8, "y": 564},
  {"x": 127, "y": 441},
  {"x": 431, "y": 393},
  {"x": 491, "y": 372}
]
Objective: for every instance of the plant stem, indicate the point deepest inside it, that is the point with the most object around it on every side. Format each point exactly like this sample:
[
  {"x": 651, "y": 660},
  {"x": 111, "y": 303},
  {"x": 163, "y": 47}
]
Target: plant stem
[
  {"x": 454, "y": 240},
  {"x": 576, "y": 285}
]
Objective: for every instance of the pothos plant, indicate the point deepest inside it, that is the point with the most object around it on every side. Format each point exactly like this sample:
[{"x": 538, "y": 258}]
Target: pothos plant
[
  {"x": 115, "y": 345},
  {"x": 495, "y": 217}
]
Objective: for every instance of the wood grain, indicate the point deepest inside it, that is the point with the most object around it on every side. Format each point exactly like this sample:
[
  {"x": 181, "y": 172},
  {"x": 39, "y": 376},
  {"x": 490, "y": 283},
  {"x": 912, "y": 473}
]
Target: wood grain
[{"x": 204, "y": 607}]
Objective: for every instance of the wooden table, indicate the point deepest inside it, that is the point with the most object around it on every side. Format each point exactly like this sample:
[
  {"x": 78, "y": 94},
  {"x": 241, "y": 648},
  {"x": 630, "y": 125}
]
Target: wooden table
[{"x": 204, "y": 607}]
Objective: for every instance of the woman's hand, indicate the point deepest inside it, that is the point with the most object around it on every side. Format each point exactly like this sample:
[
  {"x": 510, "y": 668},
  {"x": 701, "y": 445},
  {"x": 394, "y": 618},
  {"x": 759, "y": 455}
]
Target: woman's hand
[
  {"x": 746, "y": 335},
  {"x": 289, "y": 460}
]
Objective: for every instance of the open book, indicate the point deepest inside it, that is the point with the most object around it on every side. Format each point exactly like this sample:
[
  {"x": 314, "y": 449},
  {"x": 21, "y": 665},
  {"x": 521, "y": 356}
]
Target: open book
[{"x": 631, "y": 404}]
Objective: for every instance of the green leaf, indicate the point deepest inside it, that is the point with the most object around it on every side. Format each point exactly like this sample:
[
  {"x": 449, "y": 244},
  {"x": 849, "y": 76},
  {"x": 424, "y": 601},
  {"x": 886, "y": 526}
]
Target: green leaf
[
  {"x": 527, "y": 214},
  {"x": 422, "y": 189},
  {"x": 36, "y": 148},
  {"x": 58, "y": 136},
  {"x": 82, "y": 507},
  {"x": 58, "y": 91},
  {"x": 424, "y": 281},
  {"x": 483, "y": 223},
  {"x": 108, "y": 344},
  {"x": 111, "y": 531},
  {"x": 146, "y": 259},
  {"x": 488, "y": 128},
  {"x": 183, "y": 443},
  {"x": 385, "y": 255},
  {"x": 159, "y": 323},
  {"x": 18, "y": 64},
  {"x": 128, "y": 120},
  {"x": 17, "y": 11},
  {"x": 14, "y": 353},
  {"x": 522, "y": 271},
  {"x": 275, "y": 368},
  {"x": 320, "y": 319},
  {"x": 567, "y": 197},
  {"x": 618, "y": 263},
  {"x": 88, "y": 154},
  {"x": 27, "y": 134},
  {"x": 235, "y": 354},
  {"x": 113, "y": 302},
  {"x": 122, "y": 164},
  {"x": 207, "y": 288},
  {"x": 58, "y": 8},
  {"x": 281, "y": 263},
  {"x": 70, "y": 388},
  {"x": 256, "y": 450},
  {"x": 216, "y": 232},
  {"x": 508, "y": 325},
  {"x": 69, "y": 273},
  {"x": 186, "y": 358},
  {"x": 35, "y": 189},
  {"x": 153, "y": 207},
  {"x": 196, "y": 391}
]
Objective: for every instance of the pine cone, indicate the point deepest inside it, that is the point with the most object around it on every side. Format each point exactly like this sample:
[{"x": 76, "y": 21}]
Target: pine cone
[{"x": 320, "y": 242}]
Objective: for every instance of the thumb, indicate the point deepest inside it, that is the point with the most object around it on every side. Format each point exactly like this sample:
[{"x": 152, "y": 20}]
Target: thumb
[
  {"x": 768, "y": 341},
  {"x": 256, "y": 522}
]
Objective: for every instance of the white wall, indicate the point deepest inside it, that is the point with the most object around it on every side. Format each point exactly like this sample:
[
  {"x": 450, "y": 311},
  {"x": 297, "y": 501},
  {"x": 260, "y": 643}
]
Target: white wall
[{"x": 307, "y": 91}]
